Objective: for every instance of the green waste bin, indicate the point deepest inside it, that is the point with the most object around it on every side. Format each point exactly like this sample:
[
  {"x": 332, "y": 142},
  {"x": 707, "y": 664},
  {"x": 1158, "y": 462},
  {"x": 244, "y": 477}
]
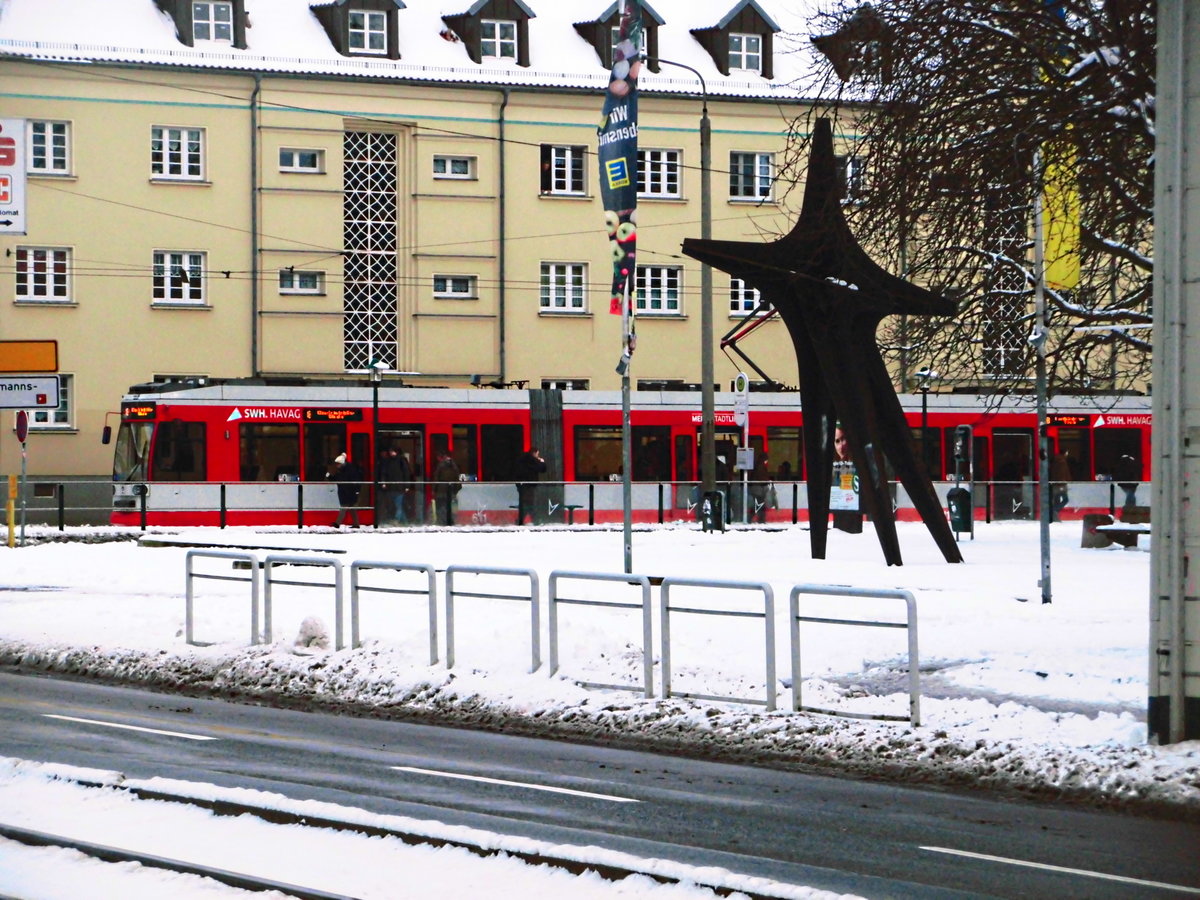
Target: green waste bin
[{"x": 962, "y": 516}]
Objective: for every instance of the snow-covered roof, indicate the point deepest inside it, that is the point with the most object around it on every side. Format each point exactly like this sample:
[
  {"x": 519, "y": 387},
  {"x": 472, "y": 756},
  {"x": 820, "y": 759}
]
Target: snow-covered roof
[{"x": 285, "y": 36}]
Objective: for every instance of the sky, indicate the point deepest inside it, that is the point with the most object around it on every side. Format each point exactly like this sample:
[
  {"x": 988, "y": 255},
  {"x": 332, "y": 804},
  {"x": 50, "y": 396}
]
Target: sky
[{"x": 1016, "y": 695}]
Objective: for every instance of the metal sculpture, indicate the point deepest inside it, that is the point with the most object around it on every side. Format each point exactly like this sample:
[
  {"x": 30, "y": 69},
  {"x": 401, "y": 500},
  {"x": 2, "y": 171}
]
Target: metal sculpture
[{"x": 832, "y": 296}]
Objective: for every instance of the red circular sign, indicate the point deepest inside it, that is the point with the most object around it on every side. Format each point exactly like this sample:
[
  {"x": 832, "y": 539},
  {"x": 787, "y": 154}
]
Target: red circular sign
[{"x": 22, "y": 425}]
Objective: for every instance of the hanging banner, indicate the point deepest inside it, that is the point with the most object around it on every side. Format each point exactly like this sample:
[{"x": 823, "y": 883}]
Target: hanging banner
[
  {"x": 618, "y": 154},
  {"x": 12, "y": 176}
]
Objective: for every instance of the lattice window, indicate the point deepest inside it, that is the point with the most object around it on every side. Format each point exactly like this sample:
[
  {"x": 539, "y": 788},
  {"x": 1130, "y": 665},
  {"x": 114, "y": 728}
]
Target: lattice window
[
  {"x": 1006, "y": 349},
  {"x": 369, "y": 238}
]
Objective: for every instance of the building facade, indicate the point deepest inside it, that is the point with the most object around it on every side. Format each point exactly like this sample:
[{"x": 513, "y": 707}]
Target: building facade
[{"x": 285, "y": 188}]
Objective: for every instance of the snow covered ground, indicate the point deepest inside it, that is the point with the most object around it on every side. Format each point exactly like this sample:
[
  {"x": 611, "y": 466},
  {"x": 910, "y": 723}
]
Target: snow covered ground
[{"x": 1048, "y": 700}]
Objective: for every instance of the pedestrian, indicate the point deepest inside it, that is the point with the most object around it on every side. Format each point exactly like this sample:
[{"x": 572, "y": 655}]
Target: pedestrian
[
  {"x": 1128, "y": 473},
  {"x": 394, "y": 474},
  {"x": 1060, "y": 474},
  {"x": 447, "y": 484},
  {"x": 529, "y": 468},
  {"x": 348, "y": 476},
  {"x": 760, "y": 486}
]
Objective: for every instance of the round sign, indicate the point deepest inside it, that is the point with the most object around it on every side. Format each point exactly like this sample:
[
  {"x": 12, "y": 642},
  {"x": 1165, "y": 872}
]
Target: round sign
[{"x": 22, "y": 425}]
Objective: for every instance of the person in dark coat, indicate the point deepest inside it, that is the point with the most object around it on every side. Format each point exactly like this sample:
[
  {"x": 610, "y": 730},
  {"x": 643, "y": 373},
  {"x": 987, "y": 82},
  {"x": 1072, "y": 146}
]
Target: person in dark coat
[
  {"x": 529, "y": 467},
  {"x": 348, "y": 476},
  {"x": 394, "y": 473},
  {"x": 446, "y": 487},
  {"x": 1128, "y": 473}
]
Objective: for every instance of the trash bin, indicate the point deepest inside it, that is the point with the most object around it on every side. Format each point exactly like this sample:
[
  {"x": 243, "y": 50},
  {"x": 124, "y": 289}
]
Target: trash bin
[
  {"x": 1093, "y": 539},
  {"x": 962, "y": 516},
  {"x": 712, "y": 511}
]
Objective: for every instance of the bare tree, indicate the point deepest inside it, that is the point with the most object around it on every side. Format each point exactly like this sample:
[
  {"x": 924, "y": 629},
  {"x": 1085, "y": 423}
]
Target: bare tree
[{"x": 958, "y": 112}]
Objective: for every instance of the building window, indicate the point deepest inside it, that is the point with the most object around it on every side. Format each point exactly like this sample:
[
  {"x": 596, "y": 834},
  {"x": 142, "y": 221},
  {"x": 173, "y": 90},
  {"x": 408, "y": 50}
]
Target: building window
[
  {"x": 744, "y": 299},
  {"x": 658, "y": 173},
  {"x": 292, "y": 281},
  {"x": 177, "y": 153},
  {"x": 659, "y": 289},
  {"x": 745, "y": 52},
  {"x": 564, "y": 384},
  {"x": 178, "y": 276},
  {"x": 453, "y": 166},
  {"x": 750, "y": 176},
  {"x": 43, "y": 275},
  {"x": 49, "y": 148},
  {"x": 850, "y": 174},
  {"x": 292, "y": 159},
  {"x": 498, "y": 39},
  {"x": 562, "y": 169},
  {"x": 213, "y": 22},
  {"x": 368, "y": 31},
  {"x": 60, "y": 416},
  {"x": 455, "y": 287},
  {"x": 564, "y": 287}
]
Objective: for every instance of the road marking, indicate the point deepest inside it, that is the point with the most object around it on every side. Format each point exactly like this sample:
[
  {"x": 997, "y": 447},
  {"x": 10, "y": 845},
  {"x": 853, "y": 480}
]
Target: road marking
[
  {"x": 1049, "y": 868},
  {"x": 178, "y": 734},
  {"x": 520, "y": 784}
]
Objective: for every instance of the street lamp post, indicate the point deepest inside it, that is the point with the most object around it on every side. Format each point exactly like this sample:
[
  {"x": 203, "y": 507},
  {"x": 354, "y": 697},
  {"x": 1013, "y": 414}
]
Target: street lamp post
[
  {"x": 377, "y": 369},
  {"x": 924, "y": 377},
  {"x": 708, "y": 417}
]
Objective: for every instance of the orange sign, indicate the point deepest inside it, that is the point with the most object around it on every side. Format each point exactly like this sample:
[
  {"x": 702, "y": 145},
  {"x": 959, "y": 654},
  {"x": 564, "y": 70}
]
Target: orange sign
[{"x": 28, "y": 356}]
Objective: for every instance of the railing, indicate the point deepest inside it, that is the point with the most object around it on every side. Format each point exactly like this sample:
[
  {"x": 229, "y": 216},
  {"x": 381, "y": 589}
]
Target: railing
[
  {"x": 430, "y": 593},
  {"x": 533, "y": 598},
  {"x": 285, "y": 559},
  {"x": 190, "y": 574}
]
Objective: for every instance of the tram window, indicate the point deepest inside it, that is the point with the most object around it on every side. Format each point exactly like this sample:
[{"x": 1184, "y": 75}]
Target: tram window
[
  {"x": 785, "y": 445},
  {"x": 651, "y": 453},
  {"x": 502, "y": 446},
  {"x": 179, "y": 452},
  {"x": 268, "y": 451},
  {"x": 597, "y": 452},
  {"x": 1076, "y": 444},
  {"x": 685, "y": 458},
  {"x": 1112, "y": 444},
  {"x": 322, "y": 442},
  {"x": 129, "y": 456}
]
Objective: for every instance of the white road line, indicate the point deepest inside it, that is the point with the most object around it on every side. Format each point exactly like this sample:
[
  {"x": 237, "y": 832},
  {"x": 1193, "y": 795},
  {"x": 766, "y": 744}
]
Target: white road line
[
  {"x": 178, "y": 734},
  {"x": 520, "y": 784},
  {"x": 1049, "y": 868}
]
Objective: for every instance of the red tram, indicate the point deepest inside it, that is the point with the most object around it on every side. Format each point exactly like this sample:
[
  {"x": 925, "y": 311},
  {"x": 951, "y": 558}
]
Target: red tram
[{"x": 257, "y": 452}]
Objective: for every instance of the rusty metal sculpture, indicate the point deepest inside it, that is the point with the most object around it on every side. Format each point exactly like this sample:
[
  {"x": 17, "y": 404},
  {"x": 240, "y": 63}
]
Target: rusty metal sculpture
[{"x": 832, "y": 296}]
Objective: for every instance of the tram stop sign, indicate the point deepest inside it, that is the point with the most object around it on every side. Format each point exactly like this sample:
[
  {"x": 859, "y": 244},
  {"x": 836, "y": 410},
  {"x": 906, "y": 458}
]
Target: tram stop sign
[{"x": 22, "y": 425}]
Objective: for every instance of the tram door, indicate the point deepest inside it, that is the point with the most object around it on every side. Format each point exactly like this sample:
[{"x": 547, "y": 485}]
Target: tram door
[
  {"x": 1013, "y": 473},
  {"x": 409, "y": 442}
]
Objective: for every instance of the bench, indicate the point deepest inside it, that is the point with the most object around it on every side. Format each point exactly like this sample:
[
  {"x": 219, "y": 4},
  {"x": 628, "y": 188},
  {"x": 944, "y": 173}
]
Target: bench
[{"x": 1124, "y": 533}]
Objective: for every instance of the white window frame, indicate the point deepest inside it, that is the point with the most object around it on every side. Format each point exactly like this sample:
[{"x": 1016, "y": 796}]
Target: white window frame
[
  {"x": 48, "y": 140},
  {"x": 851, "y": 172},
  {"x": 297, "y": 281},
  {"x": 168, "y": 288},
  {"x": 180, "y": 153},
  {"x": 660, "y": 174},
  {"x": 744, "y": 299},
  {"x": 759, "y": 183},
  {"x": 444, "y": 165},
  {"x": 212, "y": 23},
  {"x": 61, "y": 417},
  {"x": 362, "y": 26},
  {"x": 568, "y": 170},
  {"x": 456, "y": 287},
  {"x": 563, "y": 287},
  {"x": 44, "y": 280},
  {"x": 745, "y": 52},
  {"x": 291, "y": 159},
  {"x": 615, "y": 39},
  {"x": 565, "y": 384},
  {"x": 498, "y": 39},
  {"x": 659, "y": 291}
]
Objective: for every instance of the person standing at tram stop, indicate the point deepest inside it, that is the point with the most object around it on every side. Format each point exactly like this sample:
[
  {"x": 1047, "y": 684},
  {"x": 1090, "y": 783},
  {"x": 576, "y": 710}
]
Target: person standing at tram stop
[
  {"x": 1128, "y": 474},
  {"x": 1060, "y": 474},
  {"x": 529, "y": 468},
  {"x": 760, "y": 487},
  {"x": 394, "y": 474},
  {"x": 348, "y": 476},
  {"x": 447, "y": 484}
]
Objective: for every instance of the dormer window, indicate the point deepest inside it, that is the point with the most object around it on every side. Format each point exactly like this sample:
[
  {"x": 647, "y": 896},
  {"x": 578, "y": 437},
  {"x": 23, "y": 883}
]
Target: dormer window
[
  {"x": 213, "y": 22},
  {"x": 368, "y": 32},
  {"x": 361, "y": 27},
  {"x": 745, "y": 52},
  {"x": 741, "y": 41},
  {"x": 207, "y": 21},
  {"x": 494, "y": 29},
  {"x": 498, "y": 39},
  {"x": 602, "y": 34}
]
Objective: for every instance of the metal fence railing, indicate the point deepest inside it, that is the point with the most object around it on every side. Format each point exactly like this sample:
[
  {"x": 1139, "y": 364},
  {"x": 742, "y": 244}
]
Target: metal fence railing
[
  {"x": 533, "y": 598},
  {"x": 290, "y": 559},
  {"x": 190, "y": 575},
  {"x": 430, "y": 593}
]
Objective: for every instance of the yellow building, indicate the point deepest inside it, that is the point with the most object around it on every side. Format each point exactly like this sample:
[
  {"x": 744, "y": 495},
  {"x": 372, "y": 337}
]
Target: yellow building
[{"x": 297, "y": 188}]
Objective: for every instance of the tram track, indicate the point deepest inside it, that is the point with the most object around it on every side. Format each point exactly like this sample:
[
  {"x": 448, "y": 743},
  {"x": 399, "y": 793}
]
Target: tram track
[{"x": 228, "y": 808}]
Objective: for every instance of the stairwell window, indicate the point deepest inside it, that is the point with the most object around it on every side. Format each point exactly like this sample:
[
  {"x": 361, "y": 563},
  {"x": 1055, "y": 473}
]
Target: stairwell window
[
  {"x": 455, "y": 287},
  {"x": 177, "y": 153},
  {"x": 294, "y": 281}
]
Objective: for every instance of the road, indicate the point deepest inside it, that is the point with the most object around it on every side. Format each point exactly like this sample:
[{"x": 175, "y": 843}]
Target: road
[{"x": 833, "y": 833}]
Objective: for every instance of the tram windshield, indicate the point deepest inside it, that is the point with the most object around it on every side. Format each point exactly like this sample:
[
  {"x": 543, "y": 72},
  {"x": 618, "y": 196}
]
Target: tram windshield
[{"x": 132, "y": 451}]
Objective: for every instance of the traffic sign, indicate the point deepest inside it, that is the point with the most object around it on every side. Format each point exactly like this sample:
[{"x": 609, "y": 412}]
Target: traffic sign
[
  {"x": 22, "y": 425},
  {"x": 28, "y": 356},
  {"x": 29, "y": 392},
  {"x": 741, "y": 398}
]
